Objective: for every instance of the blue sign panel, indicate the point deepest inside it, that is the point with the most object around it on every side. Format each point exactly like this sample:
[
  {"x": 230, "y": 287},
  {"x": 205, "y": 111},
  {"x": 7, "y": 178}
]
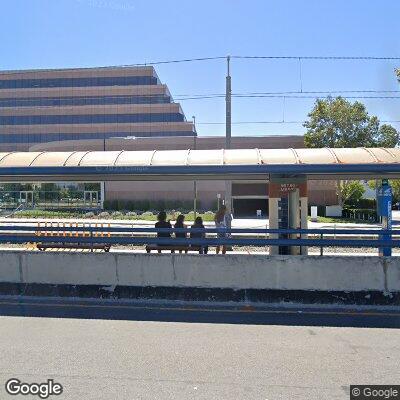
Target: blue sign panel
[
  {"x": 384, "y": 202},
  {"x": 384, "y": 197}
]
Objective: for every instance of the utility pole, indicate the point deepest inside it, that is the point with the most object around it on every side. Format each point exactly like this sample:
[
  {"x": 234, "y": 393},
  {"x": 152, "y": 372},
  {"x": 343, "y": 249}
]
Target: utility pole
[
  {"x": 228, "y": 101},
  {"x": 194, "y": 182},
  {"x": 228, "y": 133}
]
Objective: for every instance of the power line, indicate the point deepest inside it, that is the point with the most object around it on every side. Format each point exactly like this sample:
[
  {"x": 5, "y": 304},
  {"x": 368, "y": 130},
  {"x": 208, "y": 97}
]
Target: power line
[
  {"x": 317, "y": 57},
  {"x": 299, "y": 58},
  {"x": 274, "y": 122},
  {"x": 286, "y": 93},
  {"x": 325, "y": 92},
  {"x": 301, "y": 95},
  {"x": 315, "y": 97},
  {"x": 199, "y": 97},
  {"x": 185, "y": 60}
]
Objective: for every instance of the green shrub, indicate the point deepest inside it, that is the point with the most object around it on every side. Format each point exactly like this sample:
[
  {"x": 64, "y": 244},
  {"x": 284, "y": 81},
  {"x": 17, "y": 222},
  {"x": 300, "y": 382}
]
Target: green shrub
[
  {"x": 360, "y": 214},
  {"x": 46, "y": 214},
  {"x": 117, "y": 214},
  {"x": 362, "y": 204},
  {"x": 147, "y": 214}
]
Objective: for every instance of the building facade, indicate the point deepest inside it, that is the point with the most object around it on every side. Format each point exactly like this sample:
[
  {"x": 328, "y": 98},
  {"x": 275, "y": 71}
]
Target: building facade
[{"x": 41, "y": 106}]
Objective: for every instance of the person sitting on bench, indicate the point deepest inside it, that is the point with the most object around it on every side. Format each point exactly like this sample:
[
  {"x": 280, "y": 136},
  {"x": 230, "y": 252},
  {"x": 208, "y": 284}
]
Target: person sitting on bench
[
  {"x": 180, "y": 225},
  {"x": 198, "y": 224},
  {"x": 163, "y": 223}
]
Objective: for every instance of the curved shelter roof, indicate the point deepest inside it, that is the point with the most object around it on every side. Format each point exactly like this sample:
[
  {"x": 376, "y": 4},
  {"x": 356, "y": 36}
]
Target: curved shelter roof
[{"x": 199, "y": 164}]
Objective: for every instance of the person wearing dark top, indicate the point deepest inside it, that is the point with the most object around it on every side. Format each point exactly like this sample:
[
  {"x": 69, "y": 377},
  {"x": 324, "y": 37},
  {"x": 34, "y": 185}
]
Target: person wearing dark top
[
  {"x": 198, "y": 224},
  {"x": 180, "y": 225},
  {"x": 163, "y": 223}
]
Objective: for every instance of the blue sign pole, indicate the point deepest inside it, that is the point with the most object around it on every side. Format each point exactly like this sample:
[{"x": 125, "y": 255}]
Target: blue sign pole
[{"x": 384, "y": 200}]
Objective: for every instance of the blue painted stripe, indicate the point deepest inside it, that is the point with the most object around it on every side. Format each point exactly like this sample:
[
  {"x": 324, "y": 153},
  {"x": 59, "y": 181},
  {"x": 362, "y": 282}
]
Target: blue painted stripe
[
  {"x": 129, "y": 229},
  {"x": 202, "y": 242},
  {"x": 204, "y": 170}
]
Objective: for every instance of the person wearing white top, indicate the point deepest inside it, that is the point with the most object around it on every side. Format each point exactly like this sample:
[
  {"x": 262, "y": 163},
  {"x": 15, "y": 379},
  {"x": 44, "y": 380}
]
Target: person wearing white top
[{"x": 221, "y": 220}]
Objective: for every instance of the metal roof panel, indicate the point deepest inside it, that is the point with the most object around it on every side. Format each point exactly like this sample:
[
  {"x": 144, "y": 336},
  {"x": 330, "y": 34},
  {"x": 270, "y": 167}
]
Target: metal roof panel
[
  {"x": 206, "y": 157},
  {"x": 310, "y": 156},
  {"x": 139, "y": 158},
  {"x": 353, "y": 156},
  {"x": 170, "y": 157},
  {"x": 20, "y": 159},
  {"x": 277, "y": 156},
  {"x": 54, "y": 158},
  {"x": 99, "y": 158},
  {"x": 241, "y": 157},
  {"x": 75, "y": 158}
]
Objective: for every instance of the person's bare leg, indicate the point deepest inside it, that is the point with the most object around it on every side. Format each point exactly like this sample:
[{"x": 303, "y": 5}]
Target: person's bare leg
[
  {"x": 217, "y": 249},
  {"x": 223, "y": 249}
]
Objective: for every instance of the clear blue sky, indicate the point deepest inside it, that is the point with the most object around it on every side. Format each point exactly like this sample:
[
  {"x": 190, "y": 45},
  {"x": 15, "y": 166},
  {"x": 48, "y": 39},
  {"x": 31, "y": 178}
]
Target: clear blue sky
[{"x": 85, "y": 33}]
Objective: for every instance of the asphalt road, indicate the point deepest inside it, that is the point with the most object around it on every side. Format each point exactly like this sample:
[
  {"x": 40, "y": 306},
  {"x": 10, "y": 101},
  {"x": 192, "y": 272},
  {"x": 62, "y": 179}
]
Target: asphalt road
[{"x": 137, "y": 356}]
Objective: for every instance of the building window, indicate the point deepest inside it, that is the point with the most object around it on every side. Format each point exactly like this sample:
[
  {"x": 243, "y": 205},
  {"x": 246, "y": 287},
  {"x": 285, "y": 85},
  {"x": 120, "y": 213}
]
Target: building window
[
  {"x": 78, "y": 82},
  {"x": 83, "y": 101},
  {"x": 89, "y": 119}
]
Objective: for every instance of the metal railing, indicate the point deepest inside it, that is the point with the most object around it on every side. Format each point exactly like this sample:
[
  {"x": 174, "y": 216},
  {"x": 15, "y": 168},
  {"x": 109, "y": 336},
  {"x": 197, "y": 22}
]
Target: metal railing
[{"x": 87, "y": 233}]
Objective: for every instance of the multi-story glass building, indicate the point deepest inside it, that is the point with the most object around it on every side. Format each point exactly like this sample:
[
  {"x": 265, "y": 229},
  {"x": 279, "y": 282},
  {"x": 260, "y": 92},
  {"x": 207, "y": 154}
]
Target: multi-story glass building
[
  {"x": 85, "y": 104},
  {"x": 40, "y": 106}
]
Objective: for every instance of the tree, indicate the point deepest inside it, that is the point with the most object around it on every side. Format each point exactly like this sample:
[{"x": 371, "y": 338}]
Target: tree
[
  {"x": 387, "y": 135},
  {"x": 336, "y": 122},
  {"x": 350, "y": 191}
]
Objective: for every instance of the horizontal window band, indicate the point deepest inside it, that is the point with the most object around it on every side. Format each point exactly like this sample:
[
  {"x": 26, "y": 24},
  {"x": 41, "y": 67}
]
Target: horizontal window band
[
  {"x": 84, "y": 100},
  {"x": 90, "y": 119},
  {"x": 78, "y": 82}
]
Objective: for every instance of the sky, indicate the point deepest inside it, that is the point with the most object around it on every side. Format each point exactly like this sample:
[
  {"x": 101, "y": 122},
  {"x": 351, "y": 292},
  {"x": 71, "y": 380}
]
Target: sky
[{"x": 88, "y": 33}]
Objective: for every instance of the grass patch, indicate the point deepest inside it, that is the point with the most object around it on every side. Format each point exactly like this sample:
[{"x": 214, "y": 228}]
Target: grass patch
[
  {"x": 47, "y": 214},
  {"x": 337, "y": 220}
]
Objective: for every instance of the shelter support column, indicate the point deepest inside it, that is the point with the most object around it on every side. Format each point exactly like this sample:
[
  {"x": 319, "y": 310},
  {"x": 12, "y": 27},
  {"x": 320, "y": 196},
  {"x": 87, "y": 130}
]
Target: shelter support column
[{"x": 288, "y": 209}]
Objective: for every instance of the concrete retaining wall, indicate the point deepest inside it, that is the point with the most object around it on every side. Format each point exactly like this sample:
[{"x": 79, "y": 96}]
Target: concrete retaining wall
[{"x": 326, "y": 273}]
